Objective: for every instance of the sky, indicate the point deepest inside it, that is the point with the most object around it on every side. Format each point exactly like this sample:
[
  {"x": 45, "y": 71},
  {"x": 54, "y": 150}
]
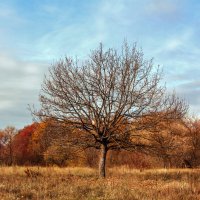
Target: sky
[{"x": 36, "y": 33}]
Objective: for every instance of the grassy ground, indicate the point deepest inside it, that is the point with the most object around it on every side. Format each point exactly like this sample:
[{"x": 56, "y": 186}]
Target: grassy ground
[{"x": 83, "y": 183}]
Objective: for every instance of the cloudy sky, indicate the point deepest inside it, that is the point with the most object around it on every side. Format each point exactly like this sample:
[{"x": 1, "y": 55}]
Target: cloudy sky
[{"x": 36, "y": 33}]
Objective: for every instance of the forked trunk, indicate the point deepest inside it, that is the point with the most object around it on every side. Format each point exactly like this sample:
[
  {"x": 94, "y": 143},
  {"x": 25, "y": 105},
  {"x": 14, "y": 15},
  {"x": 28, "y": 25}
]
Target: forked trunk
[{"x": 102, "y": 162}]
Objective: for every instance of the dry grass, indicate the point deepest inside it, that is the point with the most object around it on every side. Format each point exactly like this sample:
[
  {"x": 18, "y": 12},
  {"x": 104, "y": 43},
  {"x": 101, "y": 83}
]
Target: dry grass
[{"x": 83, "y": 183}]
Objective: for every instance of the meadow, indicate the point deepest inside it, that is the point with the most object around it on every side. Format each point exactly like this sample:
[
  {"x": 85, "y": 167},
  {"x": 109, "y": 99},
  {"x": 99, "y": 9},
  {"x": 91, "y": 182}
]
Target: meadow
[{"x": 83, "y": 183}]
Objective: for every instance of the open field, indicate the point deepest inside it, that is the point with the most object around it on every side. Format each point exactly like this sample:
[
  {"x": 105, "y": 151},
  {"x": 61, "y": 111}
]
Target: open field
[{"x": 83, "y": 183}]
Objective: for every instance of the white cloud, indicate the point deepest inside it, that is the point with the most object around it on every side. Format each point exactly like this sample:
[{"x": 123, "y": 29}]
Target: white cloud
[
  {"x": 164, "y": 8},
  {"x": 20, "y": 85},
  {"x": 6, "y": 104},
  {"x": 190, "y": 91}
]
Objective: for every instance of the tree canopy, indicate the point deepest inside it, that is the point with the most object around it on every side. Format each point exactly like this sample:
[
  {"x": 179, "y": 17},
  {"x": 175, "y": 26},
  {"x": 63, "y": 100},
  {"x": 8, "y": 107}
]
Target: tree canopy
[{"x": 110, "y": 98}]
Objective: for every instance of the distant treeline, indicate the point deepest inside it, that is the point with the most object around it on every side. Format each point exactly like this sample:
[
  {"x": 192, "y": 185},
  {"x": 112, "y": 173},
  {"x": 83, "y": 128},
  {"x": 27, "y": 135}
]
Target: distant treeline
[{"x": 47, "y": 143}]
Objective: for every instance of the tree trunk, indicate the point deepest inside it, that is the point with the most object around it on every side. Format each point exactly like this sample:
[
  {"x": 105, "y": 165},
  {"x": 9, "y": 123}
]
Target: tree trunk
[
  {"x": 164, "y": 163},
  {"x": 167, "y": 162},
  {"x": 102, "y": 163}
]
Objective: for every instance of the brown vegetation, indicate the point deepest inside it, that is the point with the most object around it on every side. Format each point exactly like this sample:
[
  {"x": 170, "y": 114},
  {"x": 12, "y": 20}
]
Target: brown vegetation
[{"x": 84, "y": 183}]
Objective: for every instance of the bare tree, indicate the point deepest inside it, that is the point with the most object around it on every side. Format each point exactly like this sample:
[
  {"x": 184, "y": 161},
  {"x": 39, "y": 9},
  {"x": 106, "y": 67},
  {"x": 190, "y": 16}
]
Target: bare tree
[
  {"x": 192, "y": 155},
  {"x": 104, "y": 97},
  {"x": 168, "y": 141},
  {"x": 8, "y": 134}
]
